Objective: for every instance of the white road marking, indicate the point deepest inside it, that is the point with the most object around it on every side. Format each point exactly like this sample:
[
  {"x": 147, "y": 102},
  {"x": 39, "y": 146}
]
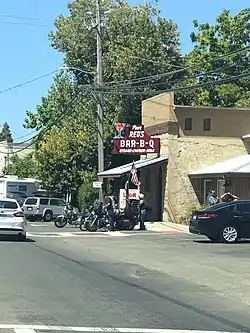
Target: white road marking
[
  {"x": 32, "y": 328},
  {"x": 118, "y": 234},
  {"x": 24, "y": 330}
]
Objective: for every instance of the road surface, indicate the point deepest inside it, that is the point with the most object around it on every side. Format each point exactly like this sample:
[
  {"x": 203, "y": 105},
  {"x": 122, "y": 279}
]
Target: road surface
[{"x": 144, "y": 282}]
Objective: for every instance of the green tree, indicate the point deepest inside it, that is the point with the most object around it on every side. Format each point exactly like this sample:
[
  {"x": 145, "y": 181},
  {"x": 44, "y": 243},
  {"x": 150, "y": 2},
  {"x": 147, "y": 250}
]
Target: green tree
[
  {"x": 5, "y": 134},
  {"x": 23, "y": 167},
  {"x": 230, "y": 33},
  {"x": 136, "y": 42},
  {"x": 86, "y": 193},
  {"x": 62, "y": 157}
]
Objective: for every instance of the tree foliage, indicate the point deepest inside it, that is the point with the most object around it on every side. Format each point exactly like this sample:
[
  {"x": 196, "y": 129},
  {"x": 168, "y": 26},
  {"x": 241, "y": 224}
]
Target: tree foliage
[
  {"x": 230, "y": 33},
  {"x": 136, "y": 42},
  {"x": 86, "y": 193},
  {"x": 5, "y": 134},
  {"x": 62, "y": 157},
  {"x": 23, "y": 167}
]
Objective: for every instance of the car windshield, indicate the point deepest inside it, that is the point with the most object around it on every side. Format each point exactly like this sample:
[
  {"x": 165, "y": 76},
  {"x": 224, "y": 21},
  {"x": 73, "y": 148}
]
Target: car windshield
[{"x": 8, "y": 205}]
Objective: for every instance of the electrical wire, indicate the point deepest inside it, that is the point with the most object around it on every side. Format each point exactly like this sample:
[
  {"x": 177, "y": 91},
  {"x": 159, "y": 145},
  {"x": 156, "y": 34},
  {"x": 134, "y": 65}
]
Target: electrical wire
[
  {"x": 158, "y": 76},
  {"x": 24, "y": 17},
  {"x": 181, "y": 80},
  {"x": 157, "y": 92},
  {"x": 24, "y": 24},
  {"x": 43, "y": 131},
  {"x": 27, "y": 82}
]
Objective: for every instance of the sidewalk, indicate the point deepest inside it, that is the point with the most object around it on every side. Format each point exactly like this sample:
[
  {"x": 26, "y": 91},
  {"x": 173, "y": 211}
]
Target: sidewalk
[{"x": 167, "y": 227}]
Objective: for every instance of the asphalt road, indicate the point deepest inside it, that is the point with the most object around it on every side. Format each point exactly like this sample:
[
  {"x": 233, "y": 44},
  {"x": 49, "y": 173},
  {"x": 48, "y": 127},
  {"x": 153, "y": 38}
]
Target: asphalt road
[{"x": 143, "y": 281}]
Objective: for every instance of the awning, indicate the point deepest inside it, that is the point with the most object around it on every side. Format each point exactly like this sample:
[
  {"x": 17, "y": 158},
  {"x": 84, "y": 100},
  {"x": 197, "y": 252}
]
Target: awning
[
  {"x": 236, "y": 165},
  {"x": 123, "y": 169}
]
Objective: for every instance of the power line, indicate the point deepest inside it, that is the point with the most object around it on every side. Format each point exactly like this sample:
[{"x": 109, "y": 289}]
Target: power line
[
  {"x": 158, "y": 76},
  {"x": 216, "y": 72},
  {"x": 157, "y": 92},
  {"x": 24, "y": 17},
  {"x": 27, "y": 82},
  {"x": 24, "y": 24},
  {"x": 43, "y": 131}
]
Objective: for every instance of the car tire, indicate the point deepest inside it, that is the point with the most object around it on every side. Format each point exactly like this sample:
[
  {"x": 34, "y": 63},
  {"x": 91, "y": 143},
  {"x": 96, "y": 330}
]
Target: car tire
[
  {"x": 229, "y": 234},
  {"x": 48, "y": 216}
]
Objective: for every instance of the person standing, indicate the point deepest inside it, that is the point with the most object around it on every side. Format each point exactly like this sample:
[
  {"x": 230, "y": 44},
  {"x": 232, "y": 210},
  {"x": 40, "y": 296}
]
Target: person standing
[
  {"x": 212, "y": 199},
  {"x": 110, "y": 206},
  {"x": 143, "y": 211}
]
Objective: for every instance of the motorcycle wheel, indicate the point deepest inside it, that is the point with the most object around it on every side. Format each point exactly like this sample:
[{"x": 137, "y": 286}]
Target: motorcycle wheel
[
  {"x": 60, "y": 222},
  {"x": 91, "y": 226}
]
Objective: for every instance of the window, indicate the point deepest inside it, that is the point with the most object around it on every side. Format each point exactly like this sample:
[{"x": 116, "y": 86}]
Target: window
[
  {"x": 44, "y": 201},
  {"x": 207, "y": 124},
  {"x": 31, "y": 201},
  {"x": 243, "y": 208},
  {"x": 188, "y": 124},
  {"x": 22, "y": 188},
  {"x": 57, "y": 202},
  {"x": 8, "y": 204}
]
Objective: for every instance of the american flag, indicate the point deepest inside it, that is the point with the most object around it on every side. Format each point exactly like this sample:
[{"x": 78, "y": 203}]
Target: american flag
[{"x": 134, "y": 177}]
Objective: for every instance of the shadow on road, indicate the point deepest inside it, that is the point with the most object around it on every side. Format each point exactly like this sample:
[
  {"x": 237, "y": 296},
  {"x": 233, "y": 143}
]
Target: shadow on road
[
  {"x": 14, "y": 239},
  {"x": 207, "y": 241}
]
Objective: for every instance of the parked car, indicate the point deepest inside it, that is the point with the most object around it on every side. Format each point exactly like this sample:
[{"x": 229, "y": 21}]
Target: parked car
[
  {"x": 12, "y": 219},
  {"x": 36, "y": 208},
  {"x": 227, "y": 222}
]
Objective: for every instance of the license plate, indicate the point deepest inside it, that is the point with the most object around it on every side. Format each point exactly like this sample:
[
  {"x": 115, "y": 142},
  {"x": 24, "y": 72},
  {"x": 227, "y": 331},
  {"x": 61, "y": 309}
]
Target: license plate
[
  {"x": 30, "y": 208},
  {"x": 194, "y": 217}
]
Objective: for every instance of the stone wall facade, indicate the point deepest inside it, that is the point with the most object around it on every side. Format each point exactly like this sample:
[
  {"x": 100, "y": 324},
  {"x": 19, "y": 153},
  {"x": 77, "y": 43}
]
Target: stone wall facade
[{"x": 187, "y": 154}]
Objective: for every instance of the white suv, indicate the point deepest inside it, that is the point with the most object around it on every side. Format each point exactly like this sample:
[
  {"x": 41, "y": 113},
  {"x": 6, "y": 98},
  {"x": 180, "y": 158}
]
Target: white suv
[{"x": 36, "y": 208}]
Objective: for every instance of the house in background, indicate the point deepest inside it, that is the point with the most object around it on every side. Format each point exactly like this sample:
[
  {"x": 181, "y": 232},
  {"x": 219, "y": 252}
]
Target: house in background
[
  {"x": 8, "y": 149},
  {"x": 202, "y": 148},
  {"x": 201, "y": 144}
]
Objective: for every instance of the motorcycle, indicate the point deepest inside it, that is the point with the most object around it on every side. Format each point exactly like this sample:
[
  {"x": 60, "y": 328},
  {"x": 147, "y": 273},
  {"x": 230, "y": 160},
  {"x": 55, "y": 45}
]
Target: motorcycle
[
  {"x": 70, "y": 216},
  {"x": 98, "y": 219}
]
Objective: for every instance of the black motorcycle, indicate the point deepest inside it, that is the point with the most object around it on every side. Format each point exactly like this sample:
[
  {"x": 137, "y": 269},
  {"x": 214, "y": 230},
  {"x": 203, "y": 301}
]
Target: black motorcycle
[
  {"x": 98, "y": 219},
  {"x": 70, "y": 216}
]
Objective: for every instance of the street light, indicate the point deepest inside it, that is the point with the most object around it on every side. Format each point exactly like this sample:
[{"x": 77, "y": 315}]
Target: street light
[{"x": 69, "y": 68}]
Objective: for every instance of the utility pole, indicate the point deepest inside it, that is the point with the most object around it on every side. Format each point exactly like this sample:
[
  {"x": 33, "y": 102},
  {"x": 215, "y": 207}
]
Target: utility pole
[{"x": 100, "y": 97}]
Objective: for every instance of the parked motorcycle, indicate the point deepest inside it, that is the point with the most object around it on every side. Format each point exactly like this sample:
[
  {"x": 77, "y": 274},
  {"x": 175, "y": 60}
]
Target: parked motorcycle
[
  {"x": 70, "y": 216},
  {"x": 98, "y": 219}
]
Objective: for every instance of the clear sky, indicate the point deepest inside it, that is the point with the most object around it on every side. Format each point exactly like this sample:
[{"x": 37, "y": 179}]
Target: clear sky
[{"x": 26, "y": 53}]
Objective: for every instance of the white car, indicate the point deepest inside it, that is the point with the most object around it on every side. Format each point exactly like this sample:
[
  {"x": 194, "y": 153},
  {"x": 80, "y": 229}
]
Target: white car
[{"x": 12, "y": 219}]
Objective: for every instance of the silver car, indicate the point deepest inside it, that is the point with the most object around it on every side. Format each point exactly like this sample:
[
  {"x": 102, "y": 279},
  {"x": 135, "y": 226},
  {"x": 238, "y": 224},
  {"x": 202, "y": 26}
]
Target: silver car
[{"x": 12, "y": 219}]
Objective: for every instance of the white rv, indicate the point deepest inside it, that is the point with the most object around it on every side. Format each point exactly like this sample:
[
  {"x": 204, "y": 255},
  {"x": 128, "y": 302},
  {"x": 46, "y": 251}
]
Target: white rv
[{"x": 18, "y": 188}]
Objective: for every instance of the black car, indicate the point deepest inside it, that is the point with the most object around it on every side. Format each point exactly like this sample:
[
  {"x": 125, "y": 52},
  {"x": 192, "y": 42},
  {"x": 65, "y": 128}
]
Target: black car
[{"x": 226, "y": 222}]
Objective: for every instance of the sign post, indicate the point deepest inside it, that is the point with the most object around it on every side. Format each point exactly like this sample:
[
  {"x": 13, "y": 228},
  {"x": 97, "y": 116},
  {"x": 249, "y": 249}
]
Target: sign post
[{"x": 97, "y": 185}]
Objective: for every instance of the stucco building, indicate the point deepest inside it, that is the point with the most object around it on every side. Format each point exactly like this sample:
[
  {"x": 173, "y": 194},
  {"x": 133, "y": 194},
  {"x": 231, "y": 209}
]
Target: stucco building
[{"x": 202, "y": 148}]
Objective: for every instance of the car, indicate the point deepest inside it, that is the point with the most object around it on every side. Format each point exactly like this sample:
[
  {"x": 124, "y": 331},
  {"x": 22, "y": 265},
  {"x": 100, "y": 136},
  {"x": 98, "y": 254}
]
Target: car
[
  {"x": 226, "y": 222},
  {"x": 45, "y": 208},
  {"x": 12, "y": 219}
]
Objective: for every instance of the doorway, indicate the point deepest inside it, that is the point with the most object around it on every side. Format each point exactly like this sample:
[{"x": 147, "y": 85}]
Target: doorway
[{"x": 160, "y": 195}]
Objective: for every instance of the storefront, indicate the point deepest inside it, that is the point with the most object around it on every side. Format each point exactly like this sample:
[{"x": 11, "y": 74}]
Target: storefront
[
  {"x": 232, "y": 175},
  {"x": 152, "y": 175}
]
